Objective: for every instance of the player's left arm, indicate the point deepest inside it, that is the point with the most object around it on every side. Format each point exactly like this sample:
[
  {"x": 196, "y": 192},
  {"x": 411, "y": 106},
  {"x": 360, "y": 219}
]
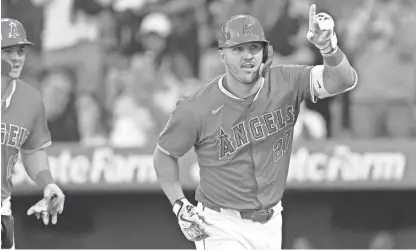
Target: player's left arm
[
  {"x": 35, "y": 161},
  {"x": 336, "y": 75}
]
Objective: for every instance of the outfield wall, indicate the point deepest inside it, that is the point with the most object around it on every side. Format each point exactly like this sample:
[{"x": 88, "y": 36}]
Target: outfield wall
[{"x": 340, "y": 195}]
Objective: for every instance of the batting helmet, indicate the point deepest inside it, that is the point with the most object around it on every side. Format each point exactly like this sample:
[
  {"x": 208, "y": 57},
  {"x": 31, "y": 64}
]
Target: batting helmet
[
  {"x": 12, "y": 33},
  {"x": 241, "y": 29}
]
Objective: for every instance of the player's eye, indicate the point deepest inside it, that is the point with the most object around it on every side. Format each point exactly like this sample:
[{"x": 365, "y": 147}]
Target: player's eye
[
  {"x": 255, "y": 48},
  {"x": 238, "y": 49},
  {"x": 22, "y": 49}
]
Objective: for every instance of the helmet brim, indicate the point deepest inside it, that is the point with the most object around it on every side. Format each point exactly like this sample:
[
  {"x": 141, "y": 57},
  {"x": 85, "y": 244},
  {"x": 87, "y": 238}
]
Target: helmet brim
[
  {"x": 23, "y": 42},
  {"x": 230, "y": 44}
]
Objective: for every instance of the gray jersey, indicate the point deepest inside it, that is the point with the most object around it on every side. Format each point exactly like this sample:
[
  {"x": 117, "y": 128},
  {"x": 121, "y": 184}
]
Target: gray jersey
[{"x": 243, "y": 145}]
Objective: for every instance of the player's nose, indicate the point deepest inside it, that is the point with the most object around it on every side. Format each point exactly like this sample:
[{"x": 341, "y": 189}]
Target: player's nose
[
  {"x": 13, "y": 56},
  {"x": 248, "y": 55}
]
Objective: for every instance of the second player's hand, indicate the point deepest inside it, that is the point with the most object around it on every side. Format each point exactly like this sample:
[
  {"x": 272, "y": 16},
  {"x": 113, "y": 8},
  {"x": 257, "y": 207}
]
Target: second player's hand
[{"x": 50, "y": 206}]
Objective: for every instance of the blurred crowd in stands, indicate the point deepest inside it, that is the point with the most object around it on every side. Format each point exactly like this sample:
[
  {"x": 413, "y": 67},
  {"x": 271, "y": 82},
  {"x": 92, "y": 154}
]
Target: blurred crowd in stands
[{"x": 111, "y": 71}]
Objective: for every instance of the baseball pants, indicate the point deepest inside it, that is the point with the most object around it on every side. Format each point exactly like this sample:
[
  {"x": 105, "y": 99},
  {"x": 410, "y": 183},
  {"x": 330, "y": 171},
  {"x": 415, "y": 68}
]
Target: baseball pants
[{"x": 229, "y": 231}]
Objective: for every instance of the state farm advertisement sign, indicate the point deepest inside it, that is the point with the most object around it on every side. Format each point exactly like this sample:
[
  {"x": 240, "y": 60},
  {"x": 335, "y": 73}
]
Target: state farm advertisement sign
[
  {"x": 354, "y": 165},
  {"x": 317, "y": 165}
]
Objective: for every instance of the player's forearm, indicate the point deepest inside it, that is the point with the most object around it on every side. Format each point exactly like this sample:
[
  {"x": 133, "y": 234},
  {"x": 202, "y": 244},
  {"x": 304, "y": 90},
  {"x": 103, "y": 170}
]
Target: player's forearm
[
  {"x": 167, "y": 171},
  {"x": 37, "y": 167},
  {"x": 338, "y": 74}
]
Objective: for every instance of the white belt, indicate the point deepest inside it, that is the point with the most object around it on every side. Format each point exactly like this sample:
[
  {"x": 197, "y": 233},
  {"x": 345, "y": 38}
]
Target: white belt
[{"x": 6, "y": 207}]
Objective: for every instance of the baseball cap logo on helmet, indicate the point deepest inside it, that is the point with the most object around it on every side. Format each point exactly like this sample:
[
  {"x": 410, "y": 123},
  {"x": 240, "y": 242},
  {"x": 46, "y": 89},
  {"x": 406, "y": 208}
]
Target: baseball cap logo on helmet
[
  {"x": 14, "y": 33},
  {"x": 247, "y": 29}
]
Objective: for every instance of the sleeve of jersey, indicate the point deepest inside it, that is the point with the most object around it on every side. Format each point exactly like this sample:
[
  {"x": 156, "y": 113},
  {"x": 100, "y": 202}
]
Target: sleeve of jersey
[
  {"x": 180, "y": 133},
  {"x": 39, "y": 137},
  {"x": 299, "y": 80}
]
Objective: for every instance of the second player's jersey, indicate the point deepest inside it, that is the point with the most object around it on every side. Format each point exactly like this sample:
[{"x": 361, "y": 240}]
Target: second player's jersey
[
  {"x": 23, "y": 127},
  {"x": 243, "y": 145}
]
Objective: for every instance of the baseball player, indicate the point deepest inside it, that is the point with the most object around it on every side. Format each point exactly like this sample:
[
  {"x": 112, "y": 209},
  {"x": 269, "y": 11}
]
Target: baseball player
[
  {"x": 241, "y": 127},
  {"x": 24, "y": 130}
]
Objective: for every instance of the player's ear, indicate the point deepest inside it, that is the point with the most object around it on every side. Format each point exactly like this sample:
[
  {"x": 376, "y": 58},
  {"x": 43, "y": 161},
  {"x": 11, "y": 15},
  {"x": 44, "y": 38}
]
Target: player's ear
[{"x": 222, "y": 54}]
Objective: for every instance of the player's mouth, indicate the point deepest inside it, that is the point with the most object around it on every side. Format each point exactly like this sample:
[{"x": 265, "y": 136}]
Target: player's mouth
[
  {"x": 16, "y": 66},
  {"x": 248, "y": 67}
]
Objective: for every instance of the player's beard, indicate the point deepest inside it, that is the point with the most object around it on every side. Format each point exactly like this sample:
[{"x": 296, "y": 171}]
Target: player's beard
[
  {"x": 241, "y": 76},
  {"x": 15, "y": 74}
]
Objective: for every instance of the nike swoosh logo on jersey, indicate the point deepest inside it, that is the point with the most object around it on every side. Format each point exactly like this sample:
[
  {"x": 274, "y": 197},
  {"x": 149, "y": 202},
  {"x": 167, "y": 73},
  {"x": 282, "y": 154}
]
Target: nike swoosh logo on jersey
[{"x": 215, "y": 111}]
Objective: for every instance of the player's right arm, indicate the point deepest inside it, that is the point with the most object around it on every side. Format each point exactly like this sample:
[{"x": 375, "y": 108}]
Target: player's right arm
[
  {"x": 167, "y": 171},
  {"x": 191, "y": 221},
  {"x": 178, "y": 137}
]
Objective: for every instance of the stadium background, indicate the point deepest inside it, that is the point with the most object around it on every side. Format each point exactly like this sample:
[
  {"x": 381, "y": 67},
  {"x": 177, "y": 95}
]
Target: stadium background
[{"x": 110, "y": 72}]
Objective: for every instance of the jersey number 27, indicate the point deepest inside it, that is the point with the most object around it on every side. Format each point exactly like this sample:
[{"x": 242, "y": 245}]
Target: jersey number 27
[{"x": 282, "y": 145}]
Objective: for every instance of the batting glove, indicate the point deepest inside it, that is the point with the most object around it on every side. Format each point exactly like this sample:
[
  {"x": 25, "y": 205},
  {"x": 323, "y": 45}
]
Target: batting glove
[
  {"x": 51, "y": 205},
  {"x": 321, "y": 32},
  {"x": 191, "y": 223}
]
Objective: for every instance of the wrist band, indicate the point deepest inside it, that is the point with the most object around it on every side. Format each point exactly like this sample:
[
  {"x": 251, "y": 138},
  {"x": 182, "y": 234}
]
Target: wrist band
[
  {"x": 177, "y": 206},
  {"x": 178, "y": 200},
  {"x": 331, "y": 53}
]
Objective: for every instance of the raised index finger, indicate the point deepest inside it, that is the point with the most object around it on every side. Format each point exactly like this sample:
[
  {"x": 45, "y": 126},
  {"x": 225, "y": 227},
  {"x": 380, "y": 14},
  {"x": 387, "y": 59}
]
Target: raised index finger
[
  {"x": 312, "y": 14},
  {"x": 31, "y": 211}
]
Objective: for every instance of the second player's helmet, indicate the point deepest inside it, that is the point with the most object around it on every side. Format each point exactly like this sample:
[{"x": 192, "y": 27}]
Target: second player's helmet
[
  {"x": 12, "y": 33},
  {"x": 241, "y": 29}
]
